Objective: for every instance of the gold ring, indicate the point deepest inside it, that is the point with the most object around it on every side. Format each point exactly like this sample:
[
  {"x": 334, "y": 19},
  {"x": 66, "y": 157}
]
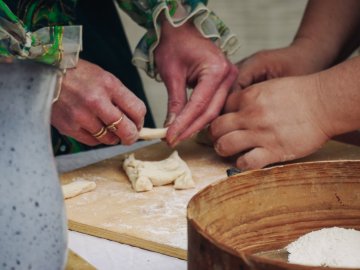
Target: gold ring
[
  {"x": 112, "y": 127},
  {"x": 101, "y": 133}
]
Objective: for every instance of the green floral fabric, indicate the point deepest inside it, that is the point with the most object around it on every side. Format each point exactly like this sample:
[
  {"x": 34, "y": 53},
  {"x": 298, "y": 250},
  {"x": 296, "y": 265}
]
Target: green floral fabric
[
  {"x": 177, "y": 12},
  {"x": 44, "y": 30},
  {"x": 41, "y": 29}
]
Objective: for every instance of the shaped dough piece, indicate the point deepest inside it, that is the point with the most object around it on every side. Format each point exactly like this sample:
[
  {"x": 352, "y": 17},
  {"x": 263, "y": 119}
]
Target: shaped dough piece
[
  {"x": 76, "y": 188},
  {"x": 143, "y": 175},
  {"x": 152, "y": 133}
]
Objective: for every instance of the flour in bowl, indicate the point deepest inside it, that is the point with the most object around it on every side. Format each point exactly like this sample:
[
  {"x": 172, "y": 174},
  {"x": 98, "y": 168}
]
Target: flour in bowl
[{"x": 332, "y": 247}]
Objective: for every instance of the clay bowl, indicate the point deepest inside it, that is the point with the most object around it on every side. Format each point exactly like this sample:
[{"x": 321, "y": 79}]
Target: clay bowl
[{"x": 243, "y": 222}]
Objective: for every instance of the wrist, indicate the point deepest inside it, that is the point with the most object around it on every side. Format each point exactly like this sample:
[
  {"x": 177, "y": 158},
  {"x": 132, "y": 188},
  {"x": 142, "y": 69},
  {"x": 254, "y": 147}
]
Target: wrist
[
  {"x": 169, "y": 30},
  {"x": 338, "y": 96}
]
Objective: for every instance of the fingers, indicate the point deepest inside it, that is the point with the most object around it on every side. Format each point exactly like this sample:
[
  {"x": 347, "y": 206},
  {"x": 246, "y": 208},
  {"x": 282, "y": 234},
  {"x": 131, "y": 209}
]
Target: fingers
[
  {"x": 232, "y": 101},
  {"x": 92, "y": 100},
  {"x": 256, "y": 159},
  {"x": 225, "y": 124},
  {"x": 234, "y": 142},
  {"x": 253, "y": 69},
  {"x": 129, "y": 104},
  {"x": 81, "y": 135},
  {"x": 204, "y": 105},
  {"x": 243, "y": 140},
  {"x": 177, "y": 98},
  {"x": 213, "y": 109},
  {"x": 123, "y": 128}
]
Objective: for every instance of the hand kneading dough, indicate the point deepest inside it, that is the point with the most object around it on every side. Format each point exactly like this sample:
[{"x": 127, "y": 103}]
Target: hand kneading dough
[
  {"x": 78, "y": 187},
  {"x": 143, "y": 175}
]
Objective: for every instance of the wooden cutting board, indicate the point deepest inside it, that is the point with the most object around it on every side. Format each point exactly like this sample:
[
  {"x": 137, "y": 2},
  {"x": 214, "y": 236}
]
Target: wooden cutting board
[
  {"x": 154, "y": 220},
  {"x": 75, "y": 262}
]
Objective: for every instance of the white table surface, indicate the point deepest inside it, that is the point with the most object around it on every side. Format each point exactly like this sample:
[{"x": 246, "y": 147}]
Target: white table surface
[{"x": 102, "y": 253}]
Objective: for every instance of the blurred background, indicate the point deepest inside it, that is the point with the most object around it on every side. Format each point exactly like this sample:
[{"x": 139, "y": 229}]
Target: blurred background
[{"x": 259, "y": 24}]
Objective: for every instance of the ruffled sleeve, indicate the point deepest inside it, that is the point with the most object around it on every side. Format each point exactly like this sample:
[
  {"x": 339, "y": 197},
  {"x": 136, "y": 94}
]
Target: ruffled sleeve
[
  {"x": 177, "y": 12},
  {"x": 54, "y": 45}
]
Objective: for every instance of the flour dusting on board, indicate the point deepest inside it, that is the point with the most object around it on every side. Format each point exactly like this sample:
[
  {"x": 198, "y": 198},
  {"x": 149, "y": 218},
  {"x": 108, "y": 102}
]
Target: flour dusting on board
[
  {"x": 157, "y": 216},
  {"x": 332, "y": 247}
]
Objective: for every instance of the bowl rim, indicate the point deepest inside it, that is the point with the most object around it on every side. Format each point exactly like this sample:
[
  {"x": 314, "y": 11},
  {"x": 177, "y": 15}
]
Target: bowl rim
[{"x": 244, "y": 255}]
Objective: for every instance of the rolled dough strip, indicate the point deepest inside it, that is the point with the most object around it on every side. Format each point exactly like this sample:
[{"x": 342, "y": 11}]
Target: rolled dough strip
[
  {"x": 152, "y": 133},
  {"x": 76, "y": 188}
]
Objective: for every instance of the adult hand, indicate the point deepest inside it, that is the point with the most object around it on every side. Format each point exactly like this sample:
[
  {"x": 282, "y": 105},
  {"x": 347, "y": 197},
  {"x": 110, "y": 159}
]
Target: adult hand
[
  {"x": 185, "y": 58},
  {"x": 300, "y": 58},
  {"x": 277, "y": 120},
  {"x": 92, "y": 98}
]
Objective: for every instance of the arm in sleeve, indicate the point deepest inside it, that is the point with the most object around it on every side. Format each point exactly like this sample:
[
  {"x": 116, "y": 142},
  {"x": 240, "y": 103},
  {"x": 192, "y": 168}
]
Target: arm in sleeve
[
  {"x": 54, "y": 45},
  {"x": 177, "y": 12}
]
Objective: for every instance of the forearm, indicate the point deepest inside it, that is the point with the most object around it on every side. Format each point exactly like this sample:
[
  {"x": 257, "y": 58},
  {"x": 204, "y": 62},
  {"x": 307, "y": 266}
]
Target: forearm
[
  {"x": 339, "y": 96},
  {"x": 328, "y": 30}
]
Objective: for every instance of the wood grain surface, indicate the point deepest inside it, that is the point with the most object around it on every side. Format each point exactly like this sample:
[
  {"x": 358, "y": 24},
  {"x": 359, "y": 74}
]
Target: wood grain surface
[
  {"x": 154, "y": 220},
  {"x": 75, "y": 262}
]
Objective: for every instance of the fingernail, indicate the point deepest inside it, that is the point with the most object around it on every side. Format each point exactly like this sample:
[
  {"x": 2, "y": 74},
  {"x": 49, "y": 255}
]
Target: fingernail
[
  {"x": 169, "y": 119},
  {"x": 141, "y": 124},
  {"x": 174, "y": 144},
  {"x": 172, "y": 140},
  {"x": 217, "y": 148}
]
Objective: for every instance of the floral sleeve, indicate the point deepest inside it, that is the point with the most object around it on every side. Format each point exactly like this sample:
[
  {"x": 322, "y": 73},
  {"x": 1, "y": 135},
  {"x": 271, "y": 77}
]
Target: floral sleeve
[
  {"x": 42, "y": 33},
  {"x": 146, "y": 13}
]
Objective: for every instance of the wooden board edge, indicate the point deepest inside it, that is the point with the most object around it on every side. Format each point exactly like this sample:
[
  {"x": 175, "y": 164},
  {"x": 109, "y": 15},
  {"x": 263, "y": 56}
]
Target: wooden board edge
[
  {"x": 128, "y": 240},
  {"x": 76, "y": 262}
]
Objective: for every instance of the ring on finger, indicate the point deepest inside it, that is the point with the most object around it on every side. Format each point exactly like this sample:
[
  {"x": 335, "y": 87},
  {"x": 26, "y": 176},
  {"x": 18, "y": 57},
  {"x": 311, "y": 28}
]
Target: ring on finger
[
  {"x": 101, "y": 133},
  {"x": 113, "y": 126}
]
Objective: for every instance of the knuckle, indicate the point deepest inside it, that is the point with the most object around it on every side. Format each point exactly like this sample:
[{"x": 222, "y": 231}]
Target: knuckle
[
  {"x": 75, "y": 114},
  {"x": 109, "y": 81},
  {"x": 199, "y": 103},
  {"x": 137, "y": 106},
  {"x": 92, "y": 101},
  {"x": 141, "y": 108},
  {"x": 174, "y": 103},
  {"x": 221, "y": 69}
]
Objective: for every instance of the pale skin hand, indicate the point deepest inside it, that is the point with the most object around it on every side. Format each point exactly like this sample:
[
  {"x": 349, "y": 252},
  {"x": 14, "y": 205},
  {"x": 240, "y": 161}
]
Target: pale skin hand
[
  {"x": 288, "y": 118},
  {"x": 272, "y": 119},
  {"x": 92, "y": 98},
  {"x": 185, "y": 58}
]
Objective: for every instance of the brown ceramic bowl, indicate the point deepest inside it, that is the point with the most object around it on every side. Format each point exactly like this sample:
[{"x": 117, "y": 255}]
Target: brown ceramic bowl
[{"x": 242, "y": 222}]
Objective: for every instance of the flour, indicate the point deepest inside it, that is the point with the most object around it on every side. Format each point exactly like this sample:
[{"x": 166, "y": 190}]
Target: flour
[{"x": 332, "y": 247}]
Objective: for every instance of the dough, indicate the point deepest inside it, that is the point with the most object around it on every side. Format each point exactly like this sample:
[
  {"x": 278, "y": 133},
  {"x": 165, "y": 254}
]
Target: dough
[
  {"x": 78, "y": 187},
  {"x": 152, "y": 133},
  {"x": 143, "y": 175}
]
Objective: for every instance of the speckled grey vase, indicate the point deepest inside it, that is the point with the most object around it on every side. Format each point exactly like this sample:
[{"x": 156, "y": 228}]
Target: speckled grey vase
[{"x": 33, "y": 231}]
